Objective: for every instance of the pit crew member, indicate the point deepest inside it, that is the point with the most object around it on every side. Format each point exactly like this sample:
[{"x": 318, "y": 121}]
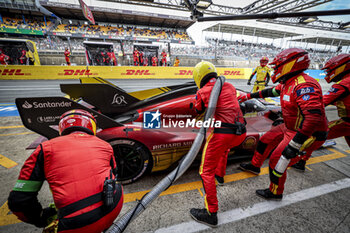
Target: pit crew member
[
  {"x": 136, "y": 56},
  {"x": 231, "y": 133},
  {"x": 303, "y": 112},
  {"x": 163, "y": 55},
  {"x": 262, "y": 75},
  {"x": 111, "y": 57},
  {"x": 67, "y": 56},
  {"x": 76, "y": 166},
  {"x": 154, "y": 61},
  {"x": 23, "y": 57},
  {"x": 3, "y": 58},
  {"x": 177, "y": 61},
  {"x": 337, "y": 70}
]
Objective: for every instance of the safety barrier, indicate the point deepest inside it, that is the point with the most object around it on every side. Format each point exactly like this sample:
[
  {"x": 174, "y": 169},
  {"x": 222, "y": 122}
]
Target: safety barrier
[{"x": 111, "y": 72}]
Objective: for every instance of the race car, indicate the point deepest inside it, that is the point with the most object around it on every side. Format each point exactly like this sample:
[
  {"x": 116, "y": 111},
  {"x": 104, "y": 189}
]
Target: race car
[{"x": 121, "y": 118}]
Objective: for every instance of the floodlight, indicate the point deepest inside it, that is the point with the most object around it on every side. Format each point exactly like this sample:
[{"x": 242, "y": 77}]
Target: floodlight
[
  {"x": 203, "y": 4},
  {"x": 308, "y": 19},
  {"x": 196, "y": 7},
  {"x": 345, "y": 25}
]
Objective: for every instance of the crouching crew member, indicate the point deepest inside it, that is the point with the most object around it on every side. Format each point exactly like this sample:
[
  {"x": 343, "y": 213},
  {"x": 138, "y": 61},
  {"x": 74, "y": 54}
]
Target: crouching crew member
[
  {"x": 305, "y": 123},
  {"x": 79, "y": 168},
  {"x": 231, "y": 134}
]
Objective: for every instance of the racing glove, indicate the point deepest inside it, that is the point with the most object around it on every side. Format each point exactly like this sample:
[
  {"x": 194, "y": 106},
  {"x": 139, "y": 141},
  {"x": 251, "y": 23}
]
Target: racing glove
[
  {"x": 244, "y": 97},
  {"x": 47, "y": 216},
  {"x": 248, "y": 83}
]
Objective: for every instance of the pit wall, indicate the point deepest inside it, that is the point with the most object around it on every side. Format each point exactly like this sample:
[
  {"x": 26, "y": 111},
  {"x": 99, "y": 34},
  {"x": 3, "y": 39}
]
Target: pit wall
[{"x": 111, "y": 72}]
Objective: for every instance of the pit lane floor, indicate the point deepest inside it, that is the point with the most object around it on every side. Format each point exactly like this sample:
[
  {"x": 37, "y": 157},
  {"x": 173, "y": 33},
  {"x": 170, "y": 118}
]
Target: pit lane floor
[{"x": 312, "y": 203}]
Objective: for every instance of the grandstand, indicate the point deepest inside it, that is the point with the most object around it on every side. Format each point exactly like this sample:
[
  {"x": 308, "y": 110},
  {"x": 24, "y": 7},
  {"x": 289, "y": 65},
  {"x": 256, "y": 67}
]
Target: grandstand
[{"x": 127, "y": 22}]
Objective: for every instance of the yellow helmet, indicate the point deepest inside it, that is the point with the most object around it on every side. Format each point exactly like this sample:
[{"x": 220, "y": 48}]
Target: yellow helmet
[{"x": 202, "y": 71}]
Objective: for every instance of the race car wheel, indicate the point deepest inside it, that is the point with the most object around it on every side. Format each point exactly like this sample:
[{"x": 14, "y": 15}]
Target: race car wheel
[{"x": 133, "y": 160}]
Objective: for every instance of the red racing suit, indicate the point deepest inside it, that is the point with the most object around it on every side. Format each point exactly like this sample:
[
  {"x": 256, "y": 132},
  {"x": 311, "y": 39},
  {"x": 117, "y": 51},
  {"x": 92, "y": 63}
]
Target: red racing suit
[
  {"x": 339, "y": 95},
  {"x": 23, "y": 58},
  {"x": 154, "y": 61},
  {"x": 303, "y": 113},
  {"x": 136, "y": 55},
  {"x": 75, "y": 167},
  {"x": 112, "y": 58},
  {"x": 67, "y": 57},
  {"x": 163, "y": 55},
  {"x": 221, "y": 140},
  {"x": 3, "y": 59}
]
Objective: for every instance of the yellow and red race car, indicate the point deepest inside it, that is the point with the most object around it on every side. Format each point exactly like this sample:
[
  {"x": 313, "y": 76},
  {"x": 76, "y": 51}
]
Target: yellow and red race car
[{"x": 141, "y": 144}]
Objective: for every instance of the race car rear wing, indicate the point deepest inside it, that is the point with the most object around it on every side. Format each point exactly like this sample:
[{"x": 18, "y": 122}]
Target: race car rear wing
[
  {"x": 114, "y": 102},
  {"x": 42, "y": 114}
]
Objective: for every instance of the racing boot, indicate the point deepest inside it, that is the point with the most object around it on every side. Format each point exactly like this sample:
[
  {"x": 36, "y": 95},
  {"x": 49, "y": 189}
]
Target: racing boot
[
  {"x": 203, "y": 216},
  {"x": 250, "y": 168},
  {"x": 267, "y": 194},
  {"x": 300, "y": 166},
  {"x": 220, "y": 180}
]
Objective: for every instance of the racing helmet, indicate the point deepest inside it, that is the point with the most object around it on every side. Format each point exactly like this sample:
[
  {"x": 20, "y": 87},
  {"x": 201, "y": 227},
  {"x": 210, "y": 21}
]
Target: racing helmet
[
  {"x": 337, "y": 67},
  {"x": 289, "y": 62},
  {"x": 263, "y": 61},
  {"x": 202, "y": 72},
  {"x": 77, "y": 120}
]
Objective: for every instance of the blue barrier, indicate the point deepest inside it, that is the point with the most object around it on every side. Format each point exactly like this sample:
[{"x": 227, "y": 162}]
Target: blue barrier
[{"x": 7, "y": 110}]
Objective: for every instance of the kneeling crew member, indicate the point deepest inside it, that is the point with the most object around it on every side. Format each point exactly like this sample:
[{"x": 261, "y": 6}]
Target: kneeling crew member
[
  {"x": 76, "y": 166},
  {"x": 231, "y": 134},
  {"x": 303, "y": 113}
]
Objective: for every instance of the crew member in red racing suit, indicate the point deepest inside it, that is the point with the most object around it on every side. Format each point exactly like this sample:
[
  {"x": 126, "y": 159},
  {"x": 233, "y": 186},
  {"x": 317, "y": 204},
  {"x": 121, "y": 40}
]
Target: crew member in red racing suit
[
  {"x": 67, "y": 56},
  {"x": 3, "y": 58},
  {"x": 75, "y": 165},
  {"x": 154, "y": 61},
  {"x": 112, "y": 59},
  {"x": 23, "y": 57},
  {"x": 337, "y": 70},
  {"x": 163, "y": 55},
  {"x": 231, "y": 133},
  {"x": 136, "y": 56},
  {"x": 305, "y": 123}
]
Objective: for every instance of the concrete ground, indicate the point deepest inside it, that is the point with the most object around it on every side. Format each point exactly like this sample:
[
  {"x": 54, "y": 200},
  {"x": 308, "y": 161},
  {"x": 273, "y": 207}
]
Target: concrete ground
[{"x": 314, "y": 201}]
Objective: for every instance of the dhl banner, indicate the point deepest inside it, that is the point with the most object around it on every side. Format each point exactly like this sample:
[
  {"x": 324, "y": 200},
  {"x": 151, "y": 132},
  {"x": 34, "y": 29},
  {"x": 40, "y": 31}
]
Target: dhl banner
[{"x": 111, "y": 72}]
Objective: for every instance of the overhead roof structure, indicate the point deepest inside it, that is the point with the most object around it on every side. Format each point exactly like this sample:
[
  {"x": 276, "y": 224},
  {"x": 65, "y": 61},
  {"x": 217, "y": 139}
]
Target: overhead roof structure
[
  {"x": 121, "y": 16},
  {"x": 250, "y": 31},
  {"x": 325, "y": 41}
]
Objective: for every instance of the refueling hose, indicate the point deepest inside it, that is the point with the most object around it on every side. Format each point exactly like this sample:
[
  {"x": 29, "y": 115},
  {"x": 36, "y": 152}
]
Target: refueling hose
[{"x": 166, "y": 182}]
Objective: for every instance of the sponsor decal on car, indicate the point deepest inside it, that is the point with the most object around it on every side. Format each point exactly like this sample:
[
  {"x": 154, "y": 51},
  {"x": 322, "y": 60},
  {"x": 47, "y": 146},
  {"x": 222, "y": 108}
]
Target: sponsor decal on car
[
  {"x": 62, "y": 104},
  {"x": 119, "y": 99},
  {"x": 48, "y": 119}
]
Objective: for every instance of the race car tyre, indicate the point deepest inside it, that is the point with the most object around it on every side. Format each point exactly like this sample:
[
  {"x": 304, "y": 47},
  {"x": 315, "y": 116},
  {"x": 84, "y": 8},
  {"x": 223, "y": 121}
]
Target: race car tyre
[{"x": 133, "y": 160}]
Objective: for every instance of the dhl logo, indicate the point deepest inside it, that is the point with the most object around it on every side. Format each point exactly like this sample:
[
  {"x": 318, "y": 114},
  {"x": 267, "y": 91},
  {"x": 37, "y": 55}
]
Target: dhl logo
[
  {"x": 137, "y": 72},
  {"x": 234, "y": 72},
  {"x": 76, "y": 72},
  {"x": 184, "y": 72},
  {"x": 12, "y": 72}
]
